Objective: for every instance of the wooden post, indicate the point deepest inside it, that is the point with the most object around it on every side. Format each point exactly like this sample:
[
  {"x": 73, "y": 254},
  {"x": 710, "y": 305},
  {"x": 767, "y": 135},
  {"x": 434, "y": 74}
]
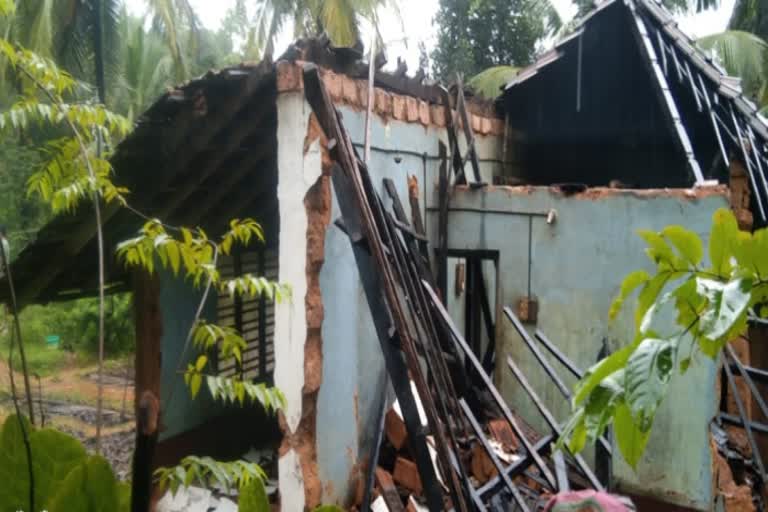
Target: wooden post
[
  {"x": 740, "y": 195},
  {"x": 149, "y": 332}
]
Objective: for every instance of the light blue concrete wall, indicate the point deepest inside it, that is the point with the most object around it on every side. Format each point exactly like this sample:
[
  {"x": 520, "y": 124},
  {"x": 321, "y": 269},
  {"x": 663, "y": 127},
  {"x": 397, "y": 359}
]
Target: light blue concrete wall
[
  {"x": 576, "y": 267},
  {"x": 353, "y": 368},
  {"x": 179, "y": 301}
]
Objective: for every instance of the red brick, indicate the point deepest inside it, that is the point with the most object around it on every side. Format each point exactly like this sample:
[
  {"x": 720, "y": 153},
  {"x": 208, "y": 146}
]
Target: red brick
[
  {"x": 349, "y": 90},
  {"x": 362, "y": 93},
  {"x": 424, "y": 113},
  {"x": 475, "y": 120},
  {"x": 288, "y": 77},
  {"x": 502, "y": 432},
  {"x": 438, "y": 115},
  {"x": 482, "y": 466},
  {"x": 333, "y": 84},
  {"x": 485, "y": 125},
  {"x": 412, "y": 109},
  {"x": 398, "y": 107},
  {"x": 394, "y": 427},
  {"x": 383, "y": 103},
  {"x": 407, "y": 475},
  {"x": 388, "y": 490}
]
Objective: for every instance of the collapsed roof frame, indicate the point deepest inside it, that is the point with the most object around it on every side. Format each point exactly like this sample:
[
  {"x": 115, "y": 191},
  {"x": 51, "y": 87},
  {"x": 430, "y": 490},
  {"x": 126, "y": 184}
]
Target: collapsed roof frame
[{"x": 671, "y": 55}]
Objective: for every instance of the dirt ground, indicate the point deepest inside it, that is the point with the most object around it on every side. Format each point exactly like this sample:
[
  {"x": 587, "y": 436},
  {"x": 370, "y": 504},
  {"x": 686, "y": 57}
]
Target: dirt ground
[{"x": 68, "y": 403}]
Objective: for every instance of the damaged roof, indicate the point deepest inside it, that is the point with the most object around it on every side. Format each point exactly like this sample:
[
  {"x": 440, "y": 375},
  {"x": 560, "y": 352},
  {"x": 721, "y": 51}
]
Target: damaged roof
[
  {"x": 677, "y": 67},
  {"x": 203, "y": 153}
]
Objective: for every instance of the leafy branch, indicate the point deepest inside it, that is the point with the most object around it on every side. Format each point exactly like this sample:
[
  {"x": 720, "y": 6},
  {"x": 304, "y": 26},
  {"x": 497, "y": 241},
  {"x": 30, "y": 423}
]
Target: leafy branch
[
  {"x": 206, "y": 471},
  {"x": 712, "y": 304}
]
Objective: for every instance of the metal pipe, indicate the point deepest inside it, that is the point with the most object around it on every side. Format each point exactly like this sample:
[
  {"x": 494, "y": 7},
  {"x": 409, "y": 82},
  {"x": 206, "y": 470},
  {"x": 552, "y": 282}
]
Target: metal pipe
[{"x": 434, "y": 209}]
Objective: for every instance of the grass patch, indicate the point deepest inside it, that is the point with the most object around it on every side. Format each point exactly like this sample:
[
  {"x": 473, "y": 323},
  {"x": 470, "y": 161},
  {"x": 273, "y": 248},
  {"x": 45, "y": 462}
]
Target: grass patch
[{"x": 42, "y": 359}]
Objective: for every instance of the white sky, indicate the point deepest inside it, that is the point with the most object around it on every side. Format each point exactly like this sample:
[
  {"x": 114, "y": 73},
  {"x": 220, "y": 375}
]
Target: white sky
[{"x": 417, "y": 24}]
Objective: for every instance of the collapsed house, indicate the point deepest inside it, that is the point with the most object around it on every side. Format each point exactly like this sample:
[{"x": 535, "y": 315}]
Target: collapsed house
[{"x": 519, "y": 216}]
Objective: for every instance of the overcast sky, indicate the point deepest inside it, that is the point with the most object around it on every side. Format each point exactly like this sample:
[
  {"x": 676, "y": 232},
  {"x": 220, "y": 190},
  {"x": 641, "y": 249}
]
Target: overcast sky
[{"x": 417, "y": 21}]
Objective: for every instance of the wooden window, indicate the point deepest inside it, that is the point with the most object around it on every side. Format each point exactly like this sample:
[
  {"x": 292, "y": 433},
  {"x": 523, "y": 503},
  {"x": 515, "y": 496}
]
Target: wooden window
[{"x": 253, "y": 318}]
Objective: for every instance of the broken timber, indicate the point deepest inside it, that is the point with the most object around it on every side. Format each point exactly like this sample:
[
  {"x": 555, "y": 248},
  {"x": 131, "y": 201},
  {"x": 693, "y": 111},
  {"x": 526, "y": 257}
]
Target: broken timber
[{"x": 419, "y": 340}]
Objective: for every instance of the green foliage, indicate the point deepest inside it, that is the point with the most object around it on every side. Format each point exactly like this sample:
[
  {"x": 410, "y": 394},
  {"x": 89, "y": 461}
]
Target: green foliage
[
  {"x": 340, "y": 19},
  {"x": 743, "y": 54},
  {"x": 76, "y": 322},
  {"x": 488, "y": 83},
  {"x": 750, "y": 16},
  {"x": 711, "y": 305},
  {"x": 466, "y": 45},
  {"x": 7, "y": 7},
  {"x": 206, "y": 471},
  {"x": 65, "y": 477},
  {"x": 253, "y": 498},
  {"x": 89, "y": 487},
  {"x": 241, "y": 391}
]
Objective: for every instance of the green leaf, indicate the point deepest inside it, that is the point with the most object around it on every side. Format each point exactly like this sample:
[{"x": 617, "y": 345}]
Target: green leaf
[
  {"x": 649, "y": 294},
  {"x": 201, "y": 362},
  {"x": 195, "y": 381},
  {"x": 598, "y": 372},
  {"x": 253, "y": 498},
  {"x": 601, "y": 404},
  {"x": 760, "y": 248},
  {"x": 722, "y": 240},
  {"x": 659, "y": 252},
  {"x": 630, "y": 283},
  {"x": 54, "y": 455},
  {"x": 727, "y": 303},
  {"x": 648, "y": 371},
  {"x": 688, "y": 303},
  {"x": 574, "y": 433},
  {"x": 90, "y": 487},
  {"x": 687, "y": 243},
  {"x": 630, "y": 439}
]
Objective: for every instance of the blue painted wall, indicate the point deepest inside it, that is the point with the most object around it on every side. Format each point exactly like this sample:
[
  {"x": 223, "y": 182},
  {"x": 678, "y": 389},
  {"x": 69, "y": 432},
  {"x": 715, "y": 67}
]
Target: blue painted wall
[
  {"x": 179, "y": 301},
  {"x": 576, "y": 266}
]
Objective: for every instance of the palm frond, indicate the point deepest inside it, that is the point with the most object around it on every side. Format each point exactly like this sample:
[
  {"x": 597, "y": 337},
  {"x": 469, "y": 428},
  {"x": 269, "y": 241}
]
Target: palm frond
[
  {"x": 742, "y": 54},
  {"x": 338, "y": 18},
  {"x": 489, "y": 82},
  {"x": 35, "y": 25},
  {"x": 545, "y": 10}
]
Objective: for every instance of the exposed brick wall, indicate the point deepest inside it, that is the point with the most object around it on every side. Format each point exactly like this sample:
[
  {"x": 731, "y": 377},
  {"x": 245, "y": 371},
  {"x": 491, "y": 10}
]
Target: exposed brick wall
[{"x": 354, "y": 93}]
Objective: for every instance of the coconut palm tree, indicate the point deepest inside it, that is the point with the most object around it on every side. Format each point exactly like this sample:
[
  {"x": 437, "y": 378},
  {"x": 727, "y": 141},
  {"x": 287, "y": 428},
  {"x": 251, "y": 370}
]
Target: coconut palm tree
[
  {"x": 146, "y": 67},
  {"x": 742, "y": 54},
  {"x": 339, "y": 19},
  {"x": 84, "y": 36}
]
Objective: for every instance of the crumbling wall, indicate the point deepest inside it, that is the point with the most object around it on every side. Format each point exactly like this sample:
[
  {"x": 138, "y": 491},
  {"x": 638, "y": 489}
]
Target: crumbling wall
[
  {"x": 328, "y": 359},
  {"x": 296, "y": 350},
  {"x": 574, "y": 267}
]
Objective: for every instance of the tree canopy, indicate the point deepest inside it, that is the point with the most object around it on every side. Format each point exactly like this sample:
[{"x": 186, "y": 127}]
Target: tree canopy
[{"x": 474, "y": 35}]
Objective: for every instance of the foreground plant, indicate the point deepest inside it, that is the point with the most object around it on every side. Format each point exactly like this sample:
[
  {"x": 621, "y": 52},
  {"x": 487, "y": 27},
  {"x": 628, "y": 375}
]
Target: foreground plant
[{"x": 712, "y": 304}]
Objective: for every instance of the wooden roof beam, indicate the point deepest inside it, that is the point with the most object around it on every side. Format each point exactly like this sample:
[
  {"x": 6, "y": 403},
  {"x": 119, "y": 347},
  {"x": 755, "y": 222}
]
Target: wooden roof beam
[{"x": 187, "y": 151}]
